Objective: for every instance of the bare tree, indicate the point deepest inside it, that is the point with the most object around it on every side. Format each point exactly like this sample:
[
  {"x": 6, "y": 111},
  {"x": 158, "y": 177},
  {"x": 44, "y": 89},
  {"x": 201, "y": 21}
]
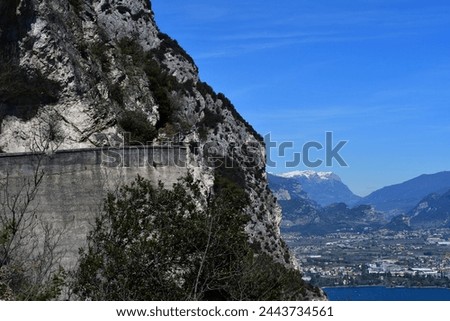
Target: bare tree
[
  {"x": 47, "y": 136},
  {"x": 29, "y": 252}
]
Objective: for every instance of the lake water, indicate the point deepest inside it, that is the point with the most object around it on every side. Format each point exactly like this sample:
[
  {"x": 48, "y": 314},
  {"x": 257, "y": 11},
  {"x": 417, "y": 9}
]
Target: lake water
[{"x": 378, "y": 293}]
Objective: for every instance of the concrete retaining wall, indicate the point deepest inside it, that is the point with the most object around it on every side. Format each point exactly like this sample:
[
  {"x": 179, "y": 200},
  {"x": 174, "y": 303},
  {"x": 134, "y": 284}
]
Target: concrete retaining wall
[{"x": 75, "y": 183}]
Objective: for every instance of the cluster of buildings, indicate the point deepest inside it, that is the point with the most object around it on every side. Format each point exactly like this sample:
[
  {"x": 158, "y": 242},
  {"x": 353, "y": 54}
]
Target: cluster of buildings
[{"x": 352, "y": 258}]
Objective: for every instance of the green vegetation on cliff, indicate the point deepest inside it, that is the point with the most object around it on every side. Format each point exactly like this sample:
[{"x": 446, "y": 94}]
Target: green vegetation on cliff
[{"x": 163, "y": 244}]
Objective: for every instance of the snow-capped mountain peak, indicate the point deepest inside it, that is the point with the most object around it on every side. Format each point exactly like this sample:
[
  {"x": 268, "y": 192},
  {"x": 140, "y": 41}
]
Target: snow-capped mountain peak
[
  {"x": 310, "y": 175},
  {"x": 325, "y": 188}
]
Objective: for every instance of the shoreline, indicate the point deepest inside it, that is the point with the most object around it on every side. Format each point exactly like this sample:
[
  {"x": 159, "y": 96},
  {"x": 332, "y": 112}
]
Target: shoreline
[
  {"x": 383, "y": 286},
  {"x": 382, "y": 293}
]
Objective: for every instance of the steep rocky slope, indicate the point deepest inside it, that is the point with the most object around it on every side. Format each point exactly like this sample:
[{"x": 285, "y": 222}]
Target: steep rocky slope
[
  {"x": 297, "y": 207},
  {"x": 86, "y": 73},
  {"x": 431, "y": 212}
]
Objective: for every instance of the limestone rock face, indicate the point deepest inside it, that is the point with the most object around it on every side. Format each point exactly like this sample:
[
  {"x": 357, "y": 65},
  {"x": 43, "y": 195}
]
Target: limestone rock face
[{"x": 94, "y": 66}]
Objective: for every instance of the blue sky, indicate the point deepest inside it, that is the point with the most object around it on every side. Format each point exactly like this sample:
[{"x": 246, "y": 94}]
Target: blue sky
[{"x": 373, "y": 72}]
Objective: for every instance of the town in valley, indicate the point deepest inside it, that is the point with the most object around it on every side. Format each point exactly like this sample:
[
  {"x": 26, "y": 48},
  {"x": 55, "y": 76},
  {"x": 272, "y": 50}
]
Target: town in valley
[{"x": 390, "y": 258}]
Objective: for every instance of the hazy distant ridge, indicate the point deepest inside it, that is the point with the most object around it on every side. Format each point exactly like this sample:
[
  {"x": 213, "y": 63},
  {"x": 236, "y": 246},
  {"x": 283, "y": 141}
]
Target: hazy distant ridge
[{"x": 401, "y": 198}]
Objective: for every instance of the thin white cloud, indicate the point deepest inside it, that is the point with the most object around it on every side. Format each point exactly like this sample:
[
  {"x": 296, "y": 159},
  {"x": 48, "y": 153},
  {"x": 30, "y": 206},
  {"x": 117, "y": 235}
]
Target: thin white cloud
[
  {"x": 314, "y": 114},
  {"x": 391, "y": 18},
  {"x": 236, "y": 48},
  {"x": 249, "y": 26}
]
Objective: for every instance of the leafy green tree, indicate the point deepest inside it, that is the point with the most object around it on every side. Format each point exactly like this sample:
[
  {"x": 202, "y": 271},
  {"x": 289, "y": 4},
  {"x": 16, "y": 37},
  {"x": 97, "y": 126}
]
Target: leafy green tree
[
  {"x": 140, "y": 130},
  {"x": 152, "y": 243}
]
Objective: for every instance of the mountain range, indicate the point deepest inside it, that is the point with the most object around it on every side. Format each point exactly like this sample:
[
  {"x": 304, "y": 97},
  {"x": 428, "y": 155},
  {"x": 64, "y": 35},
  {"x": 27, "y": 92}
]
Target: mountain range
[
  {"x": 431, "y": 212},
  {"x": 325, "y": 188},
  {"x": 315, "y": 203},
  {"x": 319, "y": 202},
  {"x": 401, "y": 198}
]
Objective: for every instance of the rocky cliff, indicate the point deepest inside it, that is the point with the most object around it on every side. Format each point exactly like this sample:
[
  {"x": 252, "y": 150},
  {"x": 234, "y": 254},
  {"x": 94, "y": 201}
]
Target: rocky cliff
[{"x": 92, "y": 73}]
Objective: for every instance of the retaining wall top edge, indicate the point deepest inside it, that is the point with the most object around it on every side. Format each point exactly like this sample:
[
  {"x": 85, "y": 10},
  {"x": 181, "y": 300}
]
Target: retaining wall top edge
[{"x": 94, "y": 149}]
